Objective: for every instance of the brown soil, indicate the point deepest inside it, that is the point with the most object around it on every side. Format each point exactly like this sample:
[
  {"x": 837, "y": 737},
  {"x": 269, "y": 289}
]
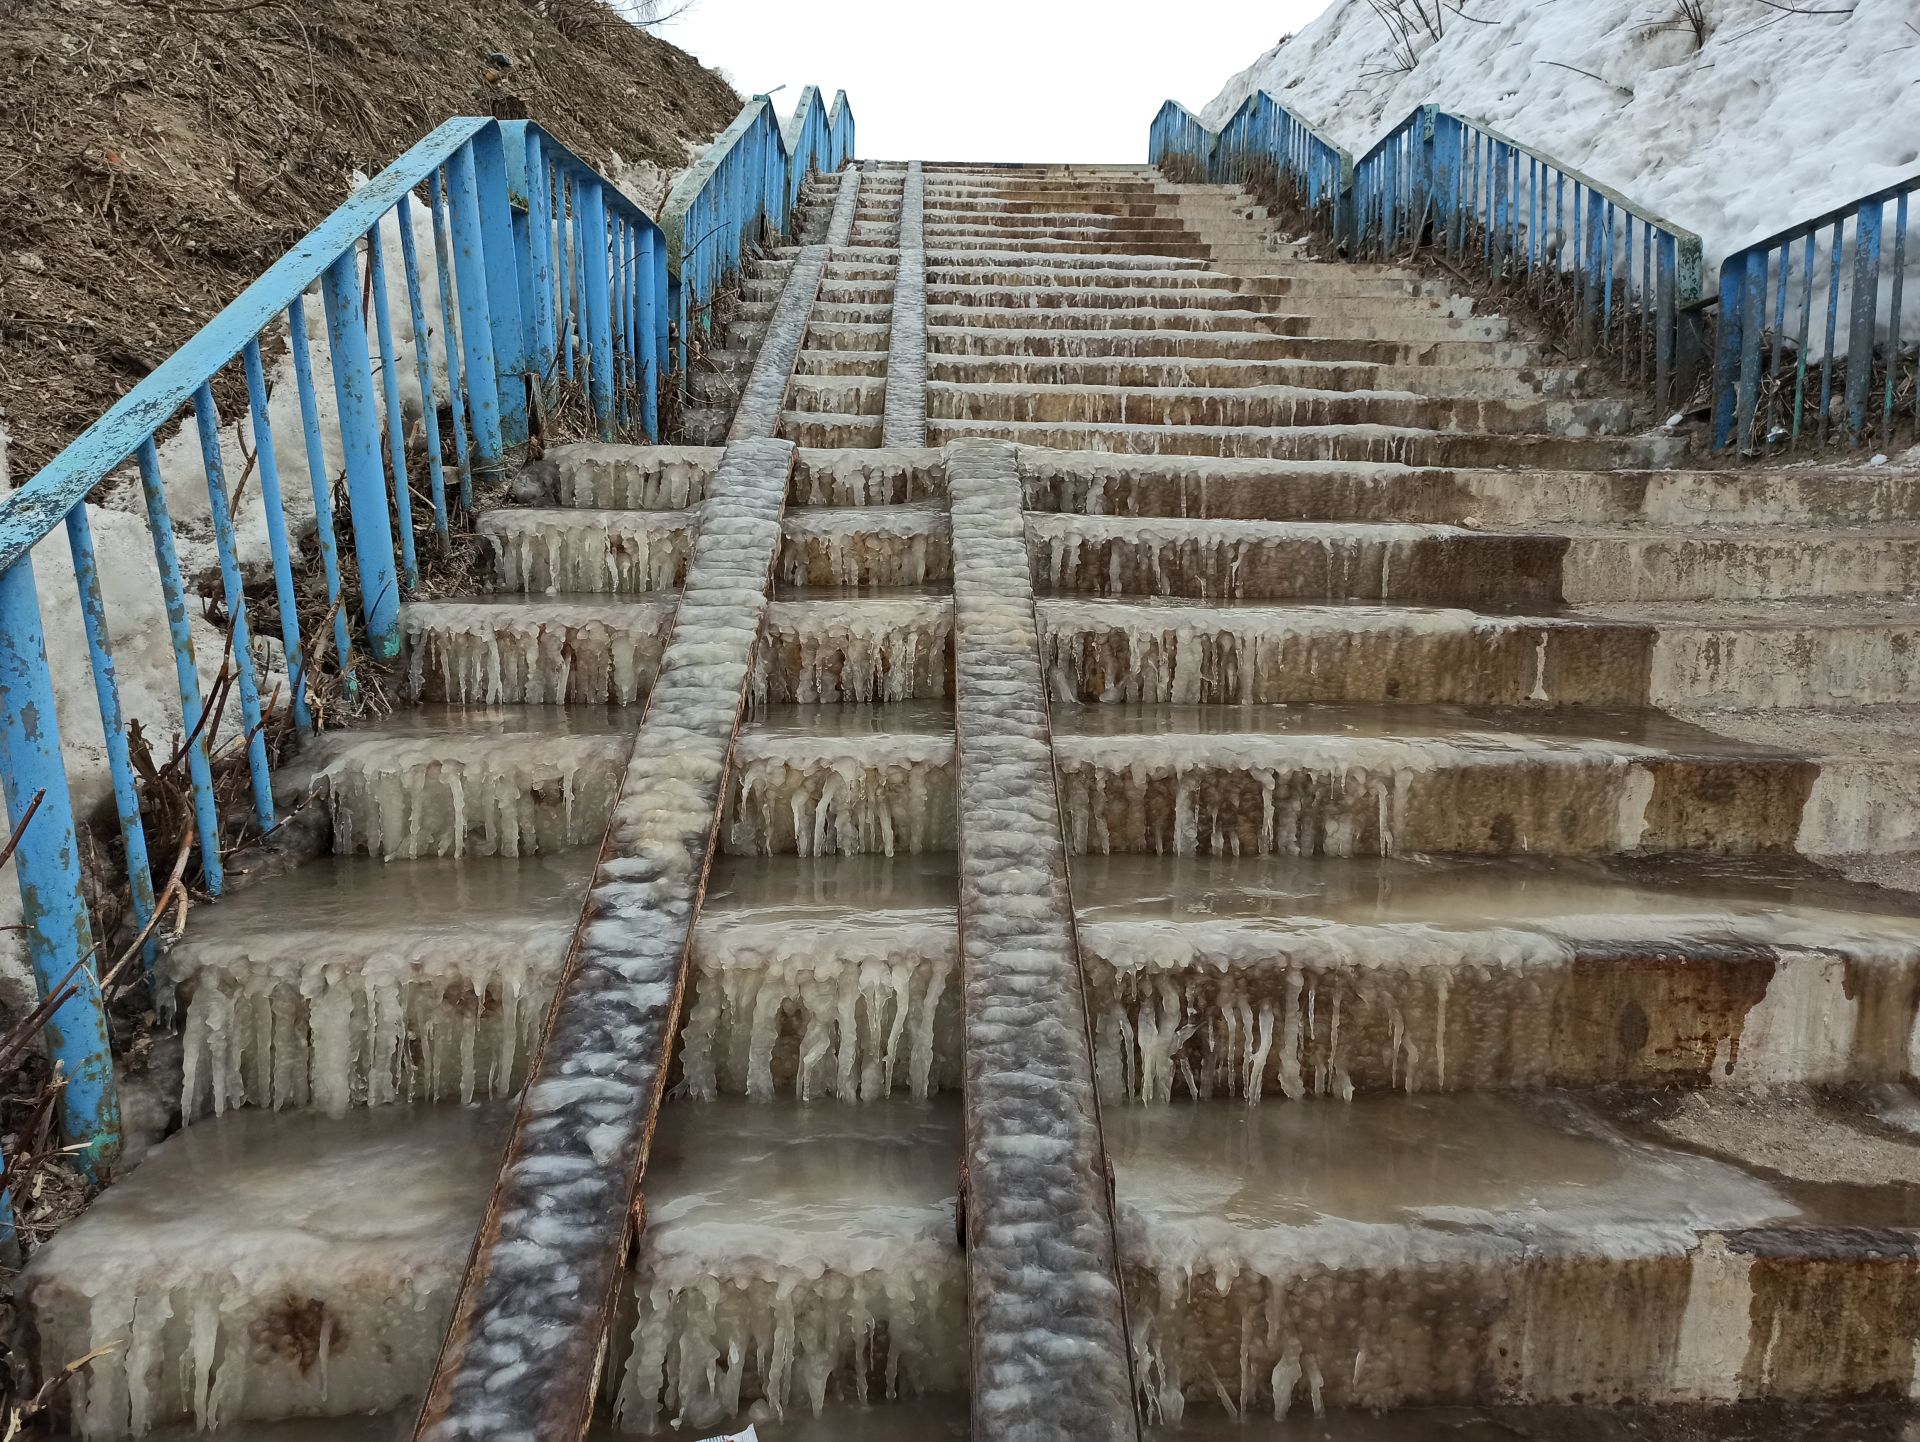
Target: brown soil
[{"x": 155, "y": 157}]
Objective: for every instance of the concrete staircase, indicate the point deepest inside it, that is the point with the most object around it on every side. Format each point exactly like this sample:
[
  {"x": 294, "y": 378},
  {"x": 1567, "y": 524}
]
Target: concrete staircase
[{"x": 1489, "y": 834}]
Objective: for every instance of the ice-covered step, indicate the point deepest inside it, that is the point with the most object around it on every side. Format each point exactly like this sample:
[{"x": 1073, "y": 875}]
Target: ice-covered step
[
  {"x": 905, "y": 545},
  {"x": 825, "y": 976},
  {"x": 535, "y": 650},
  {"x": 1283, "y": 977},
  {"x": 820, "y": 780},
  {"x": 826, "y": 644},
  {"x": 839, "y": 395},
  {"x": 447, "y": 781},
  {"x": 827, "y": 362},
  {"x": 833, "y": 290},
  {"x": 1753, "y": 655},
  {"x": 1198, "y": 653},
  {"x": 953, "y": 335},
  {"x": 618, "y": 552},
  {"x": 749, "y": 314},
  {"x": 1452, "y": 1249},
  {"x": 1402, "y": 445},
  {"x": 792, "y": 1254},
  {"x": 1282, "y": 490},
  {"x": 1065, "y": 266},
  {"x": 1170, "y": 556},
  {"x": 349, "y": 982},
  {"x": 1391, "y": 323},
  {"x": 952, "y": 243},
  {"x": 1515, "y": 383},
  {"x": 594, "y": 475},
  {"x": 1771, "y": 563},
  {"x": 1394, "y": 781},
  {"x": 1195, "y": 404},
  {"x": 1042, "y": 296},
  {"x": 822, "y": 333},
  {"x": 1317, "y": 281},
  {"x": 264, "y": 1265}
]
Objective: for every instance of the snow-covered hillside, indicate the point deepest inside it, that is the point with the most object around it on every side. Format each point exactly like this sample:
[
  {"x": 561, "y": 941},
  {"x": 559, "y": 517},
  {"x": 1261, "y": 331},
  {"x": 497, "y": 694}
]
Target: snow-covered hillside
[{"x": 1777, "y": 117}]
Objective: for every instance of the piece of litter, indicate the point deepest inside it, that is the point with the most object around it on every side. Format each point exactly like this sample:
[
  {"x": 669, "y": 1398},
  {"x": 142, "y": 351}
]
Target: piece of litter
[
  {"x": 1879, "y": 460},
  {"x": 1676, "y": 418}
]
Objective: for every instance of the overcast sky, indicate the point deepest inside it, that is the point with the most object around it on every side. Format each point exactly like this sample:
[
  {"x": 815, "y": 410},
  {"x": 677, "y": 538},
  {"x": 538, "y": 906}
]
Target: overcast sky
[{"x": 1074, "y": 80}]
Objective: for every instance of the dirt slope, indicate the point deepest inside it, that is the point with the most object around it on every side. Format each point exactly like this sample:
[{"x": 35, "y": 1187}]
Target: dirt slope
[{"x": 155, "y": 157}]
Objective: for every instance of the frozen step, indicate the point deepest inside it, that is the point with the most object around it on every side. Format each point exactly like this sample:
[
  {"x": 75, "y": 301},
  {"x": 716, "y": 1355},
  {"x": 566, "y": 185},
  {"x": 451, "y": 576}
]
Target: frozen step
[
  {"x": 823, "y": 334},
  {"x": 905, "y": 545},
  {"x": 349, "y": 982},
  {"x": 1773, "y": 563},
  {"x": 1394, "y": 781},
  {"x": 957, "y": 336},
  {"x": 266, "y": 1265},
  {"x": 1272, "y": 297},
  {"x": 841, "y": 395},
  {"x": 1449, "y": 381},
  {"x": 822, "y": 644},
  {"x": 1402, "y": 445},
  {"x": 535, "y": 650},
  {"x": 507, "y": 781},
  {"x": 842, "y": 780},
  {"x": 1287, "y": 977},
  {"x": 791, "y": 1254},
  {"x": 1165, "y": 556},
  {"x": 832, "y": 976},
  {"x": 1749, "y": 656},
  {"x": 1404, "y": 1251},
  {"x": 1396, "y": 324},
  {"x": 1282, "y": 490},
  {"x": 1195, "y": 404},
  {"x": 612, "y": 552},
  {"x": 1134, "y": 651},
  {"x": 595, "y": 475},
  {"x": 1318, "y": 281},
  {"x": 852, "y": 363}
]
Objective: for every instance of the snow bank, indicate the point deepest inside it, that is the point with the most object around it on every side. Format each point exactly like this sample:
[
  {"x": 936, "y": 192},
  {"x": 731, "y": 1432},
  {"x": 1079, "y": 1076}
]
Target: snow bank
[{"x": 1775, "y": 119}]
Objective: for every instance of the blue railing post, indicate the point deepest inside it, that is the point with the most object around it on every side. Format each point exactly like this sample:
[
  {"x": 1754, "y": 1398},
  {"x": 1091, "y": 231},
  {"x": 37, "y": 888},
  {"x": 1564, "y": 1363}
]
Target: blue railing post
[
  {"x": 53, "y": 909},
  {"x": 1864, "y": 317},
  {"x": 485, "y": 386},
  {"x": 538, "y": 262},
  {"x": 360, "y": 442},
  {"x": 592, "y": 233},
  {"x": 497, "y": 249}
]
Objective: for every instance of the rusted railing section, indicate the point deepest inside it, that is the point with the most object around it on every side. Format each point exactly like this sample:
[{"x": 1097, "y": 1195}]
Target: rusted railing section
[
  {"x": 1777, "y": 379},
  {"x": 1050, "y": 1357}
]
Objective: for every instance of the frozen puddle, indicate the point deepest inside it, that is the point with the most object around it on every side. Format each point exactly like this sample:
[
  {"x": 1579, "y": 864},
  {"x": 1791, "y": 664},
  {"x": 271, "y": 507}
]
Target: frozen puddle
[
  {"x": 793, "y": 1253},
  {"x": 1400, "y": 1251}
]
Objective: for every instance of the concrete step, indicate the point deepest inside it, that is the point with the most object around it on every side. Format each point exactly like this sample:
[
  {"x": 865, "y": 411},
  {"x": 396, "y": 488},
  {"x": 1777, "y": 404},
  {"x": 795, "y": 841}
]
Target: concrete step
[
  {"x": 1274, "y": 297},
  {"x": 1752, "y": 656},
  {"x": 864, "y": 546},
  {"x": 960, "y": 339},
  {"x": 1773, "y": 563},
  {"x": 212, "y": 1278},
  {"x": 1272, "y": 407},
  {"x": 1261, "y": 489},
  {"x": 1287, "y": 977},
  {"x": 1434, "y": 381},
  {"x": 502, "y": 781},
  {"x": 1460, "y": 1249},
  {"x": 842, "y": 781},
  {"x": 573, "y": 549},
  {"x": 1396, "y": 781},
  {"x": 834, "y": 645},
  {"x": 535, "y": 650},
  {"x": 1360, "y": 320}
]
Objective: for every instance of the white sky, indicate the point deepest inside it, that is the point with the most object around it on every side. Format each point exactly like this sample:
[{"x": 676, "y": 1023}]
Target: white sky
[{"x": 1066, "y": 80}]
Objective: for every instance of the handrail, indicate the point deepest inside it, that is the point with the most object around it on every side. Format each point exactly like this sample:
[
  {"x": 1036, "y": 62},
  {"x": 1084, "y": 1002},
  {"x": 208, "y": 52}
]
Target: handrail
[
  {"x": 749, "y": 177},
  {"x": 1858, "y": 353},
  {"x": 538, "y": 270},
  {"x": 1629, "y": 275},
  {"x": 1263, "y": 142}
]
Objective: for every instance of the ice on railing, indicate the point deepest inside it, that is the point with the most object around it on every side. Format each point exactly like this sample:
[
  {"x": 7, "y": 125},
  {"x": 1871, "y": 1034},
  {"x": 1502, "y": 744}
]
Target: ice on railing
[
  {"x": 483, "y": 654},
  {"x": 854, "y": 650},
  {"x": 792, "y": 1254},
  {"x": 854, "y": 1008},
  {"x": 841, "y": 795}
]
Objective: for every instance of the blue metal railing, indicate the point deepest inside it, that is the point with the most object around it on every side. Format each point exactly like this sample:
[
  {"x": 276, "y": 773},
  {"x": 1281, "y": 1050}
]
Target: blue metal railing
[
  {"x": 1525, "y": 219},
  {"x": 1263, "y": 143},
  {"x": 541, "y": 272},
  {"x": 1631, "y": 277},
  {"x": 1771, "y": 367},
  {"x": 748, "y": 180}
]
